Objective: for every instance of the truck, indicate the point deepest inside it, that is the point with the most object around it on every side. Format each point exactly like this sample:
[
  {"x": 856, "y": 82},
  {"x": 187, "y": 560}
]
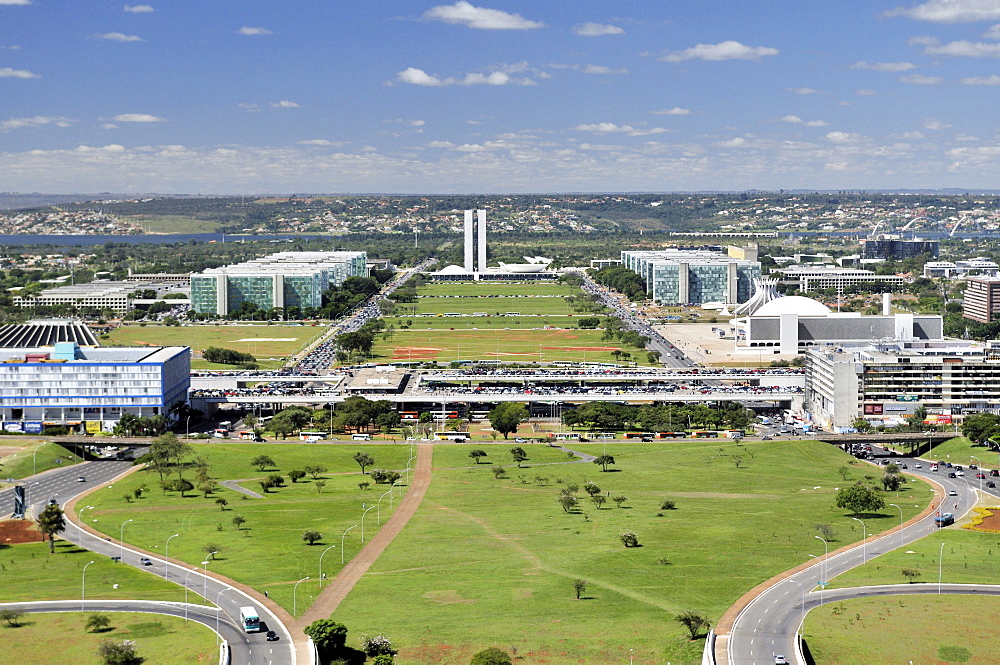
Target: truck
[{"x": 944, "y": 519}]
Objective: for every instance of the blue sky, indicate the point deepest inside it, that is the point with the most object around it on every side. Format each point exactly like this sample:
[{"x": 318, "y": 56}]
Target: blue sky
[{"x": 486, "y": 96}]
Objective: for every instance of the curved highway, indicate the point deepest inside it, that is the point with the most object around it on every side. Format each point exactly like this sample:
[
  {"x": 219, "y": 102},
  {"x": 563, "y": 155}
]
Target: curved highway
[
  {"x": 64, "y": 485},
  {"x": 768, "y": 625}
]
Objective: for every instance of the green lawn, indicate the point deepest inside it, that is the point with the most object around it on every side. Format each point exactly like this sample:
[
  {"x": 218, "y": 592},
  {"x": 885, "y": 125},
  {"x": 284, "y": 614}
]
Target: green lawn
[
  {"x": 161, "y": 640},
  {"x": 504, "y": 345},
  {"x": 448, "y": 456},
  {"x": 497, "y": 289},
  {"x": 489, "y": 561},
  {"x": 969, "y": 556},
  {"x": 418, "y": 323},
  {"x": 268, "y": 552},
  {"x": 494, "y": 306},
  {"x": 30, "y": 573},
  {"x": 960, "y": 450},
  {"x": 36, "y": 457},
  {"x": 892, "y": 630}
]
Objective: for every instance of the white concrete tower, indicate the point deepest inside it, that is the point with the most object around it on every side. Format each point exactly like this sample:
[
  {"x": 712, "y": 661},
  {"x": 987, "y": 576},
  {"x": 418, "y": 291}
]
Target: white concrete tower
[
  {"x": 468, "y": 242},
  {"x": 481, "y": 260}
]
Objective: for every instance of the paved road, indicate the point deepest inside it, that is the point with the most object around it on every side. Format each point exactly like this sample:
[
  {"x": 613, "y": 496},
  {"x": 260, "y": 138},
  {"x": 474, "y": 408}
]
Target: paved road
[
  {"x": 63, "y": 485},
  {"x": 769, "y": 624}
]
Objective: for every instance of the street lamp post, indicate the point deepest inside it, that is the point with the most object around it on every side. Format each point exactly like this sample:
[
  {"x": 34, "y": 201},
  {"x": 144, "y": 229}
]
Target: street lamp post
[
  {"x": 321, "y": 564},
  {"x": 391, "y": 487},
  {"x": 186, "y": 592},
  {"x": 342, "y": 542},
  {"x": 83, "y": 586},
  {"x": 378, "y": 506},
  {"x": 979, "y": 472},
  {"x": 121, "y": 541},
  {"x": 940, "y": 556},
  {"x": 826, "y": 546},
  {"x": 864, "y": 544},
  {"x": 83, "y": 509},
  {"x": 802, "y": 588},
  {"x": 205, "y": 563},
  {"x": 900, "y": 523},
  {"x": 363, "y": 523},
  {"x": 294, "y": 597},
  {"x": 166, "y": 555},
  {"x": 821, "y": 582},
  {"x": 218, "y": 611}
]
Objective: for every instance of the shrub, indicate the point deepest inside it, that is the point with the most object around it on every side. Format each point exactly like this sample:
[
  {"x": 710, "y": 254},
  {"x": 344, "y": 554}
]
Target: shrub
[
  {"x": 629, "y": 539},
  {"x": 491, "y": 656},
  {"x": 668, "y": 504},
  {"x": 377, "y": 645}
]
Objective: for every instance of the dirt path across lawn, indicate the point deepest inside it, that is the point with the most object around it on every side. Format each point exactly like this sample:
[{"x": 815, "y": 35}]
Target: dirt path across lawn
[{"x": 341, "y": 585}]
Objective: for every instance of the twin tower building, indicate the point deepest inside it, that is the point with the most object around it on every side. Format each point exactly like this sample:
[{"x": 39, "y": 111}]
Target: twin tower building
[{"x": 475, "y": 241}]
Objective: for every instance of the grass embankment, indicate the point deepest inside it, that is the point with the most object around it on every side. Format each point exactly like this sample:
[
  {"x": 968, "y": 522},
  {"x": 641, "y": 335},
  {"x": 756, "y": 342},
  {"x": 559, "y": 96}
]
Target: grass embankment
[
  {"x": 29, "y": 572},
  {"x": 960, "y": 450},
  {"x": 489, "y": 561},
  {"x": 27, "y": 461},
  {"x": 269, "y": 344},
  {"x": 58, "y": 638},
  {"x": 267, "y": 552},
  {"x": 969, "y": 556},
  {"x": 887, "y": 631}
]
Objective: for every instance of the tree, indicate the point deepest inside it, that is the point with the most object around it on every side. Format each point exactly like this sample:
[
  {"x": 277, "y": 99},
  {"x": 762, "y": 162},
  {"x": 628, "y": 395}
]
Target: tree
[
  {"x": 96, "y": 623},
  {"x": 328, "y": 635},
  {"x": 629, "y": 539},
  {"x": 505, "y": 417},
  {"x": 320, "y": 484},
  {"x": 567, "y": 501},
  {"x": 296, "y": 474},
  {"x": 377, "y": 645},
  {"x": 182, "y": 485},
  {"x": 604, "y": 461},
  {"x": 211, "y": 549},
  {"x": 579, "y": 586},
  {"x": 312, "y": 536},
  {"x": 364, "y": 460},
  {"x": 221, "y": 503},
  {"x": 693, "y": 621},
  {"x": 860, "y": 498},
  {"x": 262, "y": 462},
  {"x": 491, "y": 656},
  {"x": 125, "y": 652},
  {"x": 11, "y": 616},
  {"x": 911, "y": 574},
  {"x": 518, "y": 455},
  {"x": 315, "y": 470},
  {"x": 918, "y": 417},
  {"x": 499, "y": 472},
  {"x": 827, "y": 532},
  {"x": 51, "y": 521},
  {"x": 668, "y": 504},
  {"x": 598, "y": 500},
  {"x": 591, "y": 488},
  {"x": 861, "y": 424},
  {"x": 619, "y": 500},
  {"x": 239, "y": 521},
  {"x": 892, "y": 481},
  {"x": 476, "y": 454}
]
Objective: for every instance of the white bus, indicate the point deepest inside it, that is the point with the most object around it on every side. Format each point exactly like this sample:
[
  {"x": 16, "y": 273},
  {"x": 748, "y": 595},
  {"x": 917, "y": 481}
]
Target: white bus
[{"x": 249, "y": 619}]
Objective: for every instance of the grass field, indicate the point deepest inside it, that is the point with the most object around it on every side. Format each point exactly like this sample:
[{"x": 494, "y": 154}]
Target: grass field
[
  {"x": 35, "y": 457},
  {"x": 417, "y": 323},
  {"x": 262, "y": 341},
  {"x": 960, "y": 451},
  {"x": 494, "y": 306},
  {"x": 31, "y": 573},
  {"x": 268, "y": 552},
  {"x": 508, "y": 345},
  {"x": 969, "y": 556},
  {"x": 888, "y": 631},
  {"x": 161, "y": 640},
  {"x": 174, "y": 224},
  {"x": 489, "y": 561},
  {"x": 497, "y": 289}
]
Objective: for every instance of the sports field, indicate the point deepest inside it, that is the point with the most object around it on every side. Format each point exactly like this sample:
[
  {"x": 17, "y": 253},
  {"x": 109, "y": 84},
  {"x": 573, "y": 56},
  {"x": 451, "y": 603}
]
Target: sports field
[
  {"x": 269, "y": 344},
  {"x": 492, "y": 562},
  {"x": 524, "y": 344},
  {"x": 267, "y": 552}
]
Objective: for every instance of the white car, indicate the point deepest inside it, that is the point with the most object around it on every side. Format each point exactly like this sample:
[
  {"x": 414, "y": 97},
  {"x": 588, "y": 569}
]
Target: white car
[
  {"x": 780, "y": 660},
  {"x": 960, "y": 473}
]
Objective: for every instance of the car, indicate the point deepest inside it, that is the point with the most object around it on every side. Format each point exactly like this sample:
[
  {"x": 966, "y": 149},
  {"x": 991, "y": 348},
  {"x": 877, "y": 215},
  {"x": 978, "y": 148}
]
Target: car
[
  {"x": 780, "y": 660},
  {"x": 53, "y": 502},
  {"x": 145, "y": 560},
  {"x": 765, "y": 438},
  {"x": 271, "y": 636},
  {"x": 960, "y": 473},
  {"x": 918, "y": 466},
  {"x": 951, "y": 474},
  {"x": 973, "y": 466},
  {"x": 81, "y": 479},
  {"x": 952, "y": 493},
  {"x": 980, "y": 475},
  {"x": 934, "y": 467},
  {"x": 995, "y": 472},
  {"x": 906, "y": 467},
  {"x": 991, "y": 484}
]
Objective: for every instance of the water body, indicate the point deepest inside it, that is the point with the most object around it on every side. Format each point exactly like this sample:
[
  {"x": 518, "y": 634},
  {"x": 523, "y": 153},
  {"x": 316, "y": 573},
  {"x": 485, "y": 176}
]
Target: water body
[{"x": 91, "y": 241}]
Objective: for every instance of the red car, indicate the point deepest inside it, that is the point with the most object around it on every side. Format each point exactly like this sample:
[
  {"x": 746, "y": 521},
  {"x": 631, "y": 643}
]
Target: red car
[{"x": 980, "y": 475}]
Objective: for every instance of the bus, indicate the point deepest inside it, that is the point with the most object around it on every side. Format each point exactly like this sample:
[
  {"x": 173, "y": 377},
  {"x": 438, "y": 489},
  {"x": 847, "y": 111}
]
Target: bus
[
  {"x": 248, "y": 435},
  {"x": 220, "y": 433},
  {"x": 409, "y": 415},
  {"x": 459, "y": 437},
  {"x": 249, "y": 619},
  {"x": 311, "y": 436},
  {"x": 704, "y": 434}
]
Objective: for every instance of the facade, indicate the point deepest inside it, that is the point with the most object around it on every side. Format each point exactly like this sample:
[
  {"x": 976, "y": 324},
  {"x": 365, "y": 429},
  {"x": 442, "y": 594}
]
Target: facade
[
  {"x": 981, "y": 300},
  {"x": 98, "y": 295},
  {"x": 286, "y": 279},
  {"x": 90, "y": 388},
  {"x": 475, "y": 241},
  {"x": 886, "y": 383},
  {"x": 806, "y": 278},
  {"x": 694, "y": 277},
  {"x": 977, "y": 266},
  {"x": 897, "y": 248}
]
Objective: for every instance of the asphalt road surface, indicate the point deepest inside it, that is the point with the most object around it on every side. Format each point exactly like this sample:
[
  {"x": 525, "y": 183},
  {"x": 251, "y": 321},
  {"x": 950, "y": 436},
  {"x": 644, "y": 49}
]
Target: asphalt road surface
[
  {"x": 769, "y": 624},
  {"x": 64, "y": 484}
]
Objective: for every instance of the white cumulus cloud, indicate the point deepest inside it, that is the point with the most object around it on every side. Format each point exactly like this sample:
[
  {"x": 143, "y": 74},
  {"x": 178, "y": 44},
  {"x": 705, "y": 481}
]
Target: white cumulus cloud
[
  {"x": 480, "y": 18},
  {"x": 35, "y": 121},
  {"x": 15, "y": 2},
  {"x": 842, "y": 137},
  {"x": 884, "y": 66},
  {"x": 980, "y": 80},
  {"x": 600, "y": 69},
  {"x": 865, "y": 92},
  {"x": 677, "y": 110},
  {"x": 597, "y": 29},
  {"x": 738, "y": 142},
  {"x": 284, "y": 104},
  {"x": 993, "y": 32},
  {"x": 934, "y": 124},
  {"x": 137, "y": 117},
  {"x": 320, "y": 142},
  {"x": 7, "y": 72},
  {"x": 964, "y": 49},
  {"x": 796, "y": 120},
  {"x": 118, "y": 37},
  {"x": 803, "y": 91},
  {"x": 138, "y": 9},
  {"x": 612, "y": 128},
  {"x": 249, "y": 31},
  {"x": 415, "y": 76},
  {"x": 951, "y": 11},
  {"x": 920, "y": 79},
  {"x": 727, "y": 50}
]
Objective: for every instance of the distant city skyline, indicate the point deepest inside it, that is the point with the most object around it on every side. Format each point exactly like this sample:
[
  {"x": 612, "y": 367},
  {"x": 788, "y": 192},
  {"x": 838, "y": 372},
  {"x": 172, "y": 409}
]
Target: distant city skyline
[{"x": 498, "y": 96}]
